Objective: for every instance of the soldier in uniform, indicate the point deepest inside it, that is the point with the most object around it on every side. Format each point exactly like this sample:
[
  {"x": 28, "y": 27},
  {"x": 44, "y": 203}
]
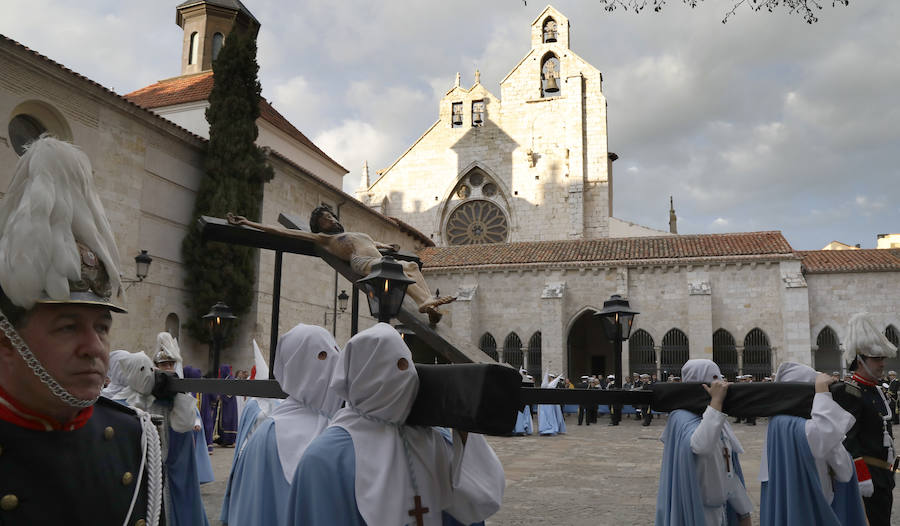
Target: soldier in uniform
[
  {"x": 870, "y": 440},
  {"x": 67, "y": 455}
]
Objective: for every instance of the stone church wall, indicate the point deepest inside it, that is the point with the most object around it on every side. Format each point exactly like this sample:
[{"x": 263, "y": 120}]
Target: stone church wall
[{"x": 834, "y": 298}]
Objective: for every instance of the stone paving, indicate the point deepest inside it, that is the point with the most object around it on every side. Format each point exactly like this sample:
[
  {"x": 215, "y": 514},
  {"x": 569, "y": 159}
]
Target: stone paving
[{"x": 597, "y": 475}]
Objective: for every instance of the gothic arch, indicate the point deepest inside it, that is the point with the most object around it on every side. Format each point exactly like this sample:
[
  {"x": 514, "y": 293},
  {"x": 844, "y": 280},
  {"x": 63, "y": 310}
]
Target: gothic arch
[
  {"x": 641, "y": 355},
  {"x": 488, "y": 345},
  {"x": 674, "y": 351},
  {"x": 512, "y": 350},
  {"x": 534, "y": 356},
  {"x": 725, "y": 353},
  {"x": 757, "y": 354},
  {"x": 827, "y": 352}
]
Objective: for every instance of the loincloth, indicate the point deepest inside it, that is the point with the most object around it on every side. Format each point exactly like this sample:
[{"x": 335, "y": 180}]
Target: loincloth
[{"x": 361, "y": 264}]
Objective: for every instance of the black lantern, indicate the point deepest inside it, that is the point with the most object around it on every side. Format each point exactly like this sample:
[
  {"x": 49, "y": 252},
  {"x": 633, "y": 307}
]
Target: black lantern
[
  {"x": 617, "y": 318},
  {"x": 385, "y": 287},
  {"x": 342, "y": 300},
  {"x": 219, "y": 321},
  {"x": 142, "y": 264}
]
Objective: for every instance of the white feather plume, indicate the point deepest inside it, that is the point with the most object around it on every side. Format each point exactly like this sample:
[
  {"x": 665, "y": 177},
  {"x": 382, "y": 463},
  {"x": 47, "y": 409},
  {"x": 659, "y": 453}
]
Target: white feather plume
[{"x": 50, "y": 203}]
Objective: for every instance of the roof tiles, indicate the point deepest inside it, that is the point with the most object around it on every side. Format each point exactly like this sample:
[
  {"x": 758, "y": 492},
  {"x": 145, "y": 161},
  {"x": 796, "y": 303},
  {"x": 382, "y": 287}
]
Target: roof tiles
[
  {"x": 674, "y": 248},
  {"x": 862, "y": 260},
  {"x": 193, "y": 88}
]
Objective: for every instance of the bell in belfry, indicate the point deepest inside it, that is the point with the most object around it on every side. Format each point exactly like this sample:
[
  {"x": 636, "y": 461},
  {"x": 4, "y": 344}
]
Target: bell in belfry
[{"x": 551, "y": 86}]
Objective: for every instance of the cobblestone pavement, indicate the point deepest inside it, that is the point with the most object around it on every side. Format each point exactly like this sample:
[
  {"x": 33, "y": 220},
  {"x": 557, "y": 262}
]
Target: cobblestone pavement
[{"x": 596, "y": 475}]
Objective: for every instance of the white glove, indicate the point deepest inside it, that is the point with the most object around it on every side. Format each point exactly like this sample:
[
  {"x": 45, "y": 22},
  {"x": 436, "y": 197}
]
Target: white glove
[{"x": 866, "y": 488}]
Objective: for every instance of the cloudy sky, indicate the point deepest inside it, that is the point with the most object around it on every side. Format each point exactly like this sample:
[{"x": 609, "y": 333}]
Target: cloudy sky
[{"x": 763, "y": 123}]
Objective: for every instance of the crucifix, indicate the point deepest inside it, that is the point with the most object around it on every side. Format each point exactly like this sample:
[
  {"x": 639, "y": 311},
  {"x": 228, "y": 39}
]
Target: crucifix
[
  {"x": 727, "y": 458},
  {"x": 418, "y": 511}
]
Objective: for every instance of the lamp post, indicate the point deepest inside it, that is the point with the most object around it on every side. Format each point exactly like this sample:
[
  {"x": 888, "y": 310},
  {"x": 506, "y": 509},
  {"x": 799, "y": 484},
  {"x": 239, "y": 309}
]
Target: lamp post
[
  {"x": 340, "y": 307},
  {"x": 385, "y": 287},
  {"x": 617, "y": 318},
  {"x": 219, "y": 321},
  {"x": 142, "y": 269}
]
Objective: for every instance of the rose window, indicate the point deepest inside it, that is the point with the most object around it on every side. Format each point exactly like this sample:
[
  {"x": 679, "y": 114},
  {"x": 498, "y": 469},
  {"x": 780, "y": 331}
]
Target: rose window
[{"x": 477, "y": 222}]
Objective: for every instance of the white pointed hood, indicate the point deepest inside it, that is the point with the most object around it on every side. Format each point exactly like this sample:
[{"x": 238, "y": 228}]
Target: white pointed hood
[{"x": 305, "y": 360}]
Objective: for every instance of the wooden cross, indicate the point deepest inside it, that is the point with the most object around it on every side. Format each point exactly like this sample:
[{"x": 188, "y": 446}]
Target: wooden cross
[
  {"x": 727, "y": 458},
  {"x": 418, "y": 511}
]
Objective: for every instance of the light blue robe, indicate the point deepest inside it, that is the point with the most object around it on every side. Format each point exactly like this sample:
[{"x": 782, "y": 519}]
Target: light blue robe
[
  {"x": 201, "y": 455},
  {"x": 550, "y": 419},
  {"x": 183, "y": 482},
  {"x": 245, "y": 427},
  {"x": 323, "y": 491},
  {"x": 259, "y": 491},
  {"x": 523, "y": 422},
  {"x": 793, "y": 494},
  {"x": 678, "y": 500}
]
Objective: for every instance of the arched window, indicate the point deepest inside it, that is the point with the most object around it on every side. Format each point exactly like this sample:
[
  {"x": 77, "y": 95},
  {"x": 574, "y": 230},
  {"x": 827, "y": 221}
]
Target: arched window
[
  {"x": 23, "y": 130},
  {"x": 534, "y": 356},
  {"x": 512, "y": 351},
  {"x": 488, "y": 345},
  {"x": 757, "y": 355},
  {"x": 891, "y": 334},
  {"x": 194, "y": 48},
  {"x": 550, "y": 30},
  {"x": 173, "y": 327},
  {"x": 725, "y": 353},
  {"x": 674, "y": 351},
  {"x": 827, "y": 357},
  {"x": 550, "y": 75},
  {"x": 218, "y": 42},
  {"x": 641, "y": 356}
]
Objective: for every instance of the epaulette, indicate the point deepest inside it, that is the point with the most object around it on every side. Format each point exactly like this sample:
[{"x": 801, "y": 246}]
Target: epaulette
[
  {"x": 116, "y": 406},
  {"x": 852, "y": 388}
]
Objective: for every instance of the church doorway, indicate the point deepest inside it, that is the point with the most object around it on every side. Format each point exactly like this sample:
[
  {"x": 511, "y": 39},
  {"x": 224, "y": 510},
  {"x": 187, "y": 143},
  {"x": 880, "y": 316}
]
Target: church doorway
[{"x": 589, "y": 352}]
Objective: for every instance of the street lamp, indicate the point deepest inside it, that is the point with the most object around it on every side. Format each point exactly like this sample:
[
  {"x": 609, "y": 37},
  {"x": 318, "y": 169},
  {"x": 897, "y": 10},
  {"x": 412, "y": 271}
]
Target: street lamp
[
  {"x": 342, "y": 300},
  {"x": 219, "y": 321},
  {"x": 142, "y": 268},
  {"x": 385, "y": 287},
  {"x": 617, "y": 318}
]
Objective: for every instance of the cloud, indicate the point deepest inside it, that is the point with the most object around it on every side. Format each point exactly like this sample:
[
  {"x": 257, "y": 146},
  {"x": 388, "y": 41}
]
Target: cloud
[{"x": 764, "y": 122}]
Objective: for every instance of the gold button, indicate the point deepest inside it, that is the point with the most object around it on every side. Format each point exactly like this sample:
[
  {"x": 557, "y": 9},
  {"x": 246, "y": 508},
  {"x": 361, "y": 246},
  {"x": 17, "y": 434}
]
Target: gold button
[
  {"x": 109, "y": 433},
  {"x": 140, "y": 522},
  {"x": 9, "y": 502},
  {"x": 127, "y": 478}
]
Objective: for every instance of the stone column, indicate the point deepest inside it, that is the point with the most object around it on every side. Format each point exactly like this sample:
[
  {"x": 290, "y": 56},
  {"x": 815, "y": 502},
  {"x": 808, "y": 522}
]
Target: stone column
[
  {"x": 794, "y": 295},
  {"x": 553, "y": 340},
  {"x": 699, "y": 329}
]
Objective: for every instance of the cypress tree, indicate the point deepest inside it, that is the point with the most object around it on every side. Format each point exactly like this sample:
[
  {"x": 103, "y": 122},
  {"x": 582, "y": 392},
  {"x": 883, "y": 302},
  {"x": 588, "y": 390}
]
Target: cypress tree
[{"x": 235, "y": 170}]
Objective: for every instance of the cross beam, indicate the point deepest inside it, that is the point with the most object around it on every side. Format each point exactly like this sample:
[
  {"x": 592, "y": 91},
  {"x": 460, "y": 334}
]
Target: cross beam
[{"x": 484, "y": 398}]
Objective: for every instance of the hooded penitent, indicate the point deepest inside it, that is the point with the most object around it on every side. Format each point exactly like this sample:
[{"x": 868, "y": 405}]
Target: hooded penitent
[
  {"x": 56, "y": 244},
  {"x": 305, "y": 360}
]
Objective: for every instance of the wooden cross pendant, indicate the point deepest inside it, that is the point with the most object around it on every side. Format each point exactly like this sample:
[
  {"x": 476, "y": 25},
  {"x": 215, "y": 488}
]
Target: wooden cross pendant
[
  {"x": 727, "y": 458},
  {"x": 418, "y": 511}
]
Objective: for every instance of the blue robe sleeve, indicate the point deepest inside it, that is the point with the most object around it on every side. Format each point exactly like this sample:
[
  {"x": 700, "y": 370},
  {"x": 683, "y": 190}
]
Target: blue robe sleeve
[
  {"x": 793, "y": 495},
  {"x": 201, "y": 455},
  {"x": 259, "y": 491},
  {"x": 323, "y": 489},
  {"x": 247, "y": 421},
  {"x": 678, "y": 501}
]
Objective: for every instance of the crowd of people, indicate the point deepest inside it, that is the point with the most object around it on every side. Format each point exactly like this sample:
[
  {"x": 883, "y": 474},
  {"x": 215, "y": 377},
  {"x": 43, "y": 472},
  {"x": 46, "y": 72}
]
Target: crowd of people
[{"x": 78, "y": 443}]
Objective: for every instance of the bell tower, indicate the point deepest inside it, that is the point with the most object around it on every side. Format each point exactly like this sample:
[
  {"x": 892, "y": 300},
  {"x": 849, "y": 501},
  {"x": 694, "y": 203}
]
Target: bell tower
[{"x": 206, "y": 23}]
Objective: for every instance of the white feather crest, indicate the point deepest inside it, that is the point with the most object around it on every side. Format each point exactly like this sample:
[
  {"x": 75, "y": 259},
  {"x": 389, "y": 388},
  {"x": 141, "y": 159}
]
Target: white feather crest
[
  {"x": 864, "y": 338},
  {"x": 50, "y": 203}
]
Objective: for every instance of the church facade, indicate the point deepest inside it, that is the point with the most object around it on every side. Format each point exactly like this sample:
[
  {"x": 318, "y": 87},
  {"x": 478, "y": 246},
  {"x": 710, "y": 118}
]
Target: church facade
[
  {"x": 516, "y": 193},
  {"x": 147, "y": 169}
]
